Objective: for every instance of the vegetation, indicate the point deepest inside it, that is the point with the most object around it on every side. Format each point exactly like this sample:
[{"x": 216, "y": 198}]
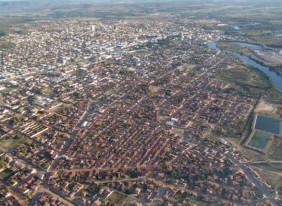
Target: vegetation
[
  {"x": 11, "y": 142},
  {"x": 280, "y": 190},
  {"x": 116, "y": 198},
  {"x": 246, "y": 80},
  {"x": 231, "y": 47},
  {"x": 276, "y": 149},
  {"x": 276, "y": 167},
  {"x": 2, "y": 158},
  {"x": 249, "y": 52},
  {"x": 141, "y": 52}
]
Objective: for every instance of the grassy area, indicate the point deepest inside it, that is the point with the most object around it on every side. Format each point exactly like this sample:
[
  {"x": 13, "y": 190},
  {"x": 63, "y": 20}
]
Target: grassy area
[
  {"x": 252, "y": 155},
  {"x": 275, "y": 167},
  {"x": 231, "y": 47},
  {"x": 246, "y": 80},
  {"x": 142, "y": 52},
  {"x": 250, "y": 53},
  {"x": 2, "y": 158},
  {"x": 7, "y": 144},
  {"x": 276, "y": 149},
  {"x": 279, "y": 189},
  {"x": 280, "y": 111},
  {"x": 264, "y": 36},
  {"x": 271, "y": 178},
  {"x": 187, "y": 67},
  {"x": 4, "y": 30},
  {"x": 116, "y": 198},
  {"x": 5, "y": 173}
]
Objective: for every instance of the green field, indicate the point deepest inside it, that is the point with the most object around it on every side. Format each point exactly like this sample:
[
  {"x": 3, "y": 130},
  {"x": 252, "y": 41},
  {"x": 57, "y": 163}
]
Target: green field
[
  {"x": 246, "y": 80},
  {"x": 116, "y": 198},
  {"x": 7, "y": 144},
  {"x": 231, "y": 47},
  {"x": 259, "y": 140},
  {"x": 142, "y": 52},
  {"x": 276, "y": 150}
]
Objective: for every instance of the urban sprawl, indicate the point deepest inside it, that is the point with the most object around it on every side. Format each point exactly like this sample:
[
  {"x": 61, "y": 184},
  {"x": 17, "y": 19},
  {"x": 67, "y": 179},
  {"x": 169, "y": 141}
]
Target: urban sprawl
[{"x": 122, "y": 112}]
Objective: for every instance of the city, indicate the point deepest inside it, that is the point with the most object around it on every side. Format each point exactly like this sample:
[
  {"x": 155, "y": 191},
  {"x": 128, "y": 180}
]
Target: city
[{"x": 124, "y": 112}]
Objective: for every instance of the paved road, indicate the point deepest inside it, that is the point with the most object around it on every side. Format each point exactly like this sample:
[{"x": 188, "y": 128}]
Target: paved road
[
  {"x": 259, "y": 184},
  {"x": 250, "y": 175}
]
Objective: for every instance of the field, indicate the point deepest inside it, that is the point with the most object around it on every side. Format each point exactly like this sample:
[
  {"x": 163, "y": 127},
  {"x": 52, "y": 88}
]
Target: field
[
  {"x": 231, "y": 47},
  {"x": 11, "y": 142},
  {"x": 259, "y": 140},
  {"x": 267, "y": 108},
  {"x": 276, "y": 149},
  {"x": 116, "y": 198},
  {"x": 141, "y": 52},
  {"x": 266, "y": 57},
  {"x": 272, "y": 178},
  {"x": 275, "y": 167},
  {"x": 253, "y": 155},
  {"x": 187, "y": 67},
  {"x": 246, "y": 80}
]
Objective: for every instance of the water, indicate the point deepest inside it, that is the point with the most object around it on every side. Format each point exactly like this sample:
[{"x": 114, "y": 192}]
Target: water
[
  {"x": 268, "y": 124},
  {"x": 274, "y": 77}
]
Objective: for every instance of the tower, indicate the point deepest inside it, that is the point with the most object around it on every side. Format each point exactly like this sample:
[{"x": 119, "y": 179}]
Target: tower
[{"x": 93, "y": 28}]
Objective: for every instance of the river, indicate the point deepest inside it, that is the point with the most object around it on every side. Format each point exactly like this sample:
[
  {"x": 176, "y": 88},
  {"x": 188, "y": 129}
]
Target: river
[{"x": 274, "y": 77}]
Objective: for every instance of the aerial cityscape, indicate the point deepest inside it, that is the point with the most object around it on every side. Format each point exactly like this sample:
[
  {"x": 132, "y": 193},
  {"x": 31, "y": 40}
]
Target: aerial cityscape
[{"x": 140, "y": 102}]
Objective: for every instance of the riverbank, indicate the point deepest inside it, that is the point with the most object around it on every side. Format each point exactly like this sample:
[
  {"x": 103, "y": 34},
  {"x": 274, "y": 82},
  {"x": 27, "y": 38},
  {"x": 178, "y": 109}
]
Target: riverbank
[
  {"x": 248, "y": 51},
  {"x": 275, "y": 78}
]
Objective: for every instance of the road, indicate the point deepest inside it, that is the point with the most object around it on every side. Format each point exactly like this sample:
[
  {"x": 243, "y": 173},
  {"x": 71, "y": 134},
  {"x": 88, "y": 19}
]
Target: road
[
  {"x": 42, "y": 190},
  {"x": 249, "y": 174},
  {"x": 259, "y": 184}
]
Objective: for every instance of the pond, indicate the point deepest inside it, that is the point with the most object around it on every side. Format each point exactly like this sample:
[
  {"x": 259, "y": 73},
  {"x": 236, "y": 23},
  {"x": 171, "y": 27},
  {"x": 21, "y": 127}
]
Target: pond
[{"x": 268, "y": 124}]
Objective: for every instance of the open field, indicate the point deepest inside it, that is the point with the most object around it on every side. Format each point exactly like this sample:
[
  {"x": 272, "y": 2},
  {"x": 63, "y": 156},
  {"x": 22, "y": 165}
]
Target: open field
[
  {"x": 276, "y": 149},
  {"x": 272, "y": 178},
  {"x": 246, "y": 80},
  {"x": 231, "y": 47},
  {"x": 116, "y": 198},
  {"x": 7, "y": 144},
  {"x": 275, "y": 167},
  {"x": 267, "y": 108},
  {"x": 266, "y": 57},
  {"x": 253, "y": 155},
  {"x": 187, "y": 67},
  {"x": 154, "y": 89},
  {"x": 140, "y": 52}
]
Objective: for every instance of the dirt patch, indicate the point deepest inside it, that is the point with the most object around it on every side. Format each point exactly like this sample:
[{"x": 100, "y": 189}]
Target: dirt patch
[
  {"x": 116, "y": 198},
  {"x": 187, "y": 67},
  {"x": 154, "y": 89},
  {"x": 179, "y": 132},
  {"x": 264, "y": 107}
]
